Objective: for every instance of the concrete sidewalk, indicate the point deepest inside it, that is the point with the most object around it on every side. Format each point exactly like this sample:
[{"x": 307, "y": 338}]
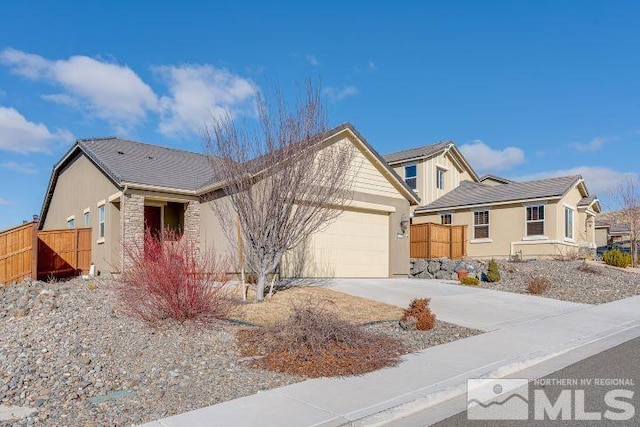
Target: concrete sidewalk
[
  {"x": 429, "y": 377},
  {"x": 477, "y": 308}
]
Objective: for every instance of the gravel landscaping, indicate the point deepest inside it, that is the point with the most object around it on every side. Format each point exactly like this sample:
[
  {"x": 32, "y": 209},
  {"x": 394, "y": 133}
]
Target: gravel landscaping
[
  {"x": 575, "y": 281},
  {"x": 67, "y": 351}
]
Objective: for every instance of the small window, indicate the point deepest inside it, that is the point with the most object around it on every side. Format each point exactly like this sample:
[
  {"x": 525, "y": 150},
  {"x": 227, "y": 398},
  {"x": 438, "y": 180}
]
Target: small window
[
  {"x": 411, "y": 176},
  {"x": 440, "y": 178},
  {"x": 101, "y": 222},
  {"x": 87, "y": 219},
  {"x": 568, "y": 223},
  {"x": 535, "y": 220},
  {"x": 445, "y": 219},
  {"x": 71, "y": 223},
  {"x": 481, "y": 225}
]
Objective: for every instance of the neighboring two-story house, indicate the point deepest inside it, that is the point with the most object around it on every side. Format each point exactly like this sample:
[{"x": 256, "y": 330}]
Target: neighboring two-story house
[{"x": 504, "y": 218}]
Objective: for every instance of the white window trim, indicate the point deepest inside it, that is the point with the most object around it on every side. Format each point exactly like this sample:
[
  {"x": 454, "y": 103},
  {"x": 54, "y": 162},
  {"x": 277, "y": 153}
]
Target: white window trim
[
  {"x": 71, "y": 218},
  {"x": 571, "y": 239},
  {"x": 101, "y": 239},
  {"x": 544, "y": 223},
  {"x": 84, "y": 217},
  {"x": 404, "y": 172},
  {"x": 444, "y": 171},
  {"x": 474, "y": 241},
  {"x": 450, "y": 214},
  {"x": 87, "y": 210},
  {"x": 101, "y": 203},
  {"x": 488, "y": 225}
]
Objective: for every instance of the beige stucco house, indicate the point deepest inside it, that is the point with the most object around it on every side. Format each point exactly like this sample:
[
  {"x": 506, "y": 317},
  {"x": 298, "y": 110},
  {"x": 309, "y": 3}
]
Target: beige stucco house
[
  {"x": 116, "y": 187},
  {"x": 504, "y": 218}
]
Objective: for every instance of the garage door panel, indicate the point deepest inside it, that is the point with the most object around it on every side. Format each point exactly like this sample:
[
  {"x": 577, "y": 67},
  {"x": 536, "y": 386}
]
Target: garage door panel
[{"x": 356, "y": 244}]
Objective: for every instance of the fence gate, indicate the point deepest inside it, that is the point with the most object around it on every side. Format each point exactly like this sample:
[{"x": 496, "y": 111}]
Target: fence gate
[
  {"x": 17, "y": 254},
  {"x": 432, "y": 240}
]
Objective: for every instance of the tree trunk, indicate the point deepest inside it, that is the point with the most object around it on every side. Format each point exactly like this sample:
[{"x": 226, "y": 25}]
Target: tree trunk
[{"x": 262, "y": 280}]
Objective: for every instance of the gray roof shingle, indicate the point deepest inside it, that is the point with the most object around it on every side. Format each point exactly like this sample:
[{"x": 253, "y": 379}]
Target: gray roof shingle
[
  {"x": 425, "y": 151},
  {"x": 135, "y": 162},
  {"x": 475, "y": 193},
  {"x": 586, "y": 201}
]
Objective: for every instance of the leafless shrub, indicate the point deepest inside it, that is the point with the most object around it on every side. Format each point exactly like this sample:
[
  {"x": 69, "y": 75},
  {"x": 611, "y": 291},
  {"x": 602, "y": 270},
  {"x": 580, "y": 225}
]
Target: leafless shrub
[
  {"x": 169, "y": 278},
  {"x": 538, "y": 285},
  {"x": 314, "y": 342}
]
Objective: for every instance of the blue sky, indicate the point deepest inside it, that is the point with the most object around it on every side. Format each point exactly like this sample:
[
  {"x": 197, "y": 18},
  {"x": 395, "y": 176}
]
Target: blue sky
[{"x": 527, "y": 89}]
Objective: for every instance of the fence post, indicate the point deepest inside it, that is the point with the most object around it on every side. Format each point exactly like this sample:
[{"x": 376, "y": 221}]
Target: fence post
[
  {"x": 76, "y": 243},
  {"x": 34, "y": 250}
]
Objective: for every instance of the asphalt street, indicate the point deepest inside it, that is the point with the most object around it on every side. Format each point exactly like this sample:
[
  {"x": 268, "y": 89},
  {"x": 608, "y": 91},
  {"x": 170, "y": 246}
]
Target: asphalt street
[{"x": 615, "y": 372}]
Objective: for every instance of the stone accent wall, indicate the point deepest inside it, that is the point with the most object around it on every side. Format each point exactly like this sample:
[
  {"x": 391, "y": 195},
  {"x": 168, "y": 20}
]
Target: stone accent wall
[
  {"x": 132, "y": 224},
  {"x": 445, "y": 269},
  {"x": 192, "y": 222}
]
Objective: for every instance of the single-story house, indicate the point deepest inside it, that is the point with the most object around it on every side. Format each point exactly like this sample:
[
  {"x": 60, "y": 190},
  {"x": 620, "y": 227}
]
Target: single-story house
[
  {"x": 610, "y": 232},
  {"x": 543, "y": 218},
  {"x": 118, "y": 187}
]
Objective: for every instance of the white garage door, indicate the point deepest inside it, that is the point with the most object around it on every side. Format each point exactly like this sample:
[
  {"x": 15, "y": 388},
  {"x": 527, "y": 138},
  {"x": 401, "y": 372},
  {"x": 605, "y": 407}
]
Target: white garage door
[{"x": 356, "y": 244}]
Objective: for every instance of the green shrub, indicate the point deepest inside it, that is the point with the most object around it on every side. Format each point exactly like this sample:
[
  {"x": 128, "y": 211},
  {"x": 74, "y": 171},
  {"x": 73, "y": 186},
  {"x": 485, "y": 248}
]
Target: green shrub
[
  {"x": 617, "y": 258},
  {"x": 493, "y": 272},
  {"x": 470, "y": 281}
]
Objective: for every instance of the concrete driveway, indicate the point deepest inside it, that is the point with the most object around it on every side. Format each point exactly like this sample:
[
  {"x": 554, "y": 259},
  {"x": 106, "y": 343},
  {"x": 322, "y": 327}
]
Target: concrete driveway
[{"x": 478, "y": 308}]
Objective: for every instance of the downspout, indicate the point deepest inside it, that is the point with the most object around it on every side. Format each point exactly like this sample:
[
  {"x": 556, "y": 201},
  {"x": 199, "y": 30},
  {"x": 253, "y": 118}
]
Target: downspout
[{"x": 122, "y": 216}]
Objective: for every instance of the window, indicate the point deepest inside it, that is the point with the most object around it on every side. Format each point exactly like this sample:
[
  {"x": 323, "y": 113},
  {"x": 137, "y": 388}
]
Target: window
[
  {"x": 440, "y": 178},
  {"x": 411, "y": 176},
  {"x": 101, "y": 222},
  {"x": 87, "y": 220},
  {"x": 445, "y": 219},
  {"x": 535, "y": 220},
  {"x": 71, "y": 223},
  {"x": 481, "y": 225},
  {"x": 568, "y": 223}
]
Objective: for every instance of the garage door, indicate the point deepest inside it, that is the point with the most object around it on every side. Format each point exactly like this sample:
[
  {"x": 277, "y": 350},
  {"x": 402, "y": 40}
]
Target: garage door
[{"x": 356, "y": 244}]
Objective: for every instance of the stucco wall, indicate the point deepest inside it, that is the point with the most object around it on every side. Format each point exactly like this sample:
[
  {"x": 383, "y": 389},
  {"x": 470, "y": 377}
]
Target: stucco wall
[{"x": 80, "y": 186}]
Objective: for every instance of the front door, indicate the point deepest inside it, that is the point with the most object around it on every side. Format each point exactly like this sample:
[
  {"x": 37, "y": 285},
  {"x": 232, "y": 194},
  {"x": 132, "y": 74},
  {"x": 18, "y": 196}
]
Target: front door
[{"x": 153, "y": 221}]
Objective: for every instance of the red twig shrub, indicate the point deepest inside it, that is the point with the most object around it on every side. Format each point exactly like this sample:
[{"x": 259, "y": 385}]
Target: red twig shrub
[
  {"x": 419, "y": 313},
  {"x": 314, "y": 342},
  {"x": 538, "y": 285},
  {"x": 169, "y": 279}
]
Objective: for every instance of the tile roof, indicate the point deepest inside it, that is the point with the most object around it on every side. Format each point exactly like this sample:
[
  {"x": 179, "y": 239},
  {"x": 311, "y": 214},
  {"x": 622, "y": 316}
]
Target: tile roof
[
  {"x": 474, "y": 193},
  {"x": 496, "y": 178},
  {"x": 135, "y": 162},
  {"x": 425, "y": 151},
  {"x": 586, "y": 201}
]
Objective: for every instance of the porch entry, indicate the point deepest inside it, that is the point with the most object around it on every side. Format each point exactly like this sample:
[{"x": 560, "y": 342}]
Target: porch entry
[{"x": 159, "y": 215}]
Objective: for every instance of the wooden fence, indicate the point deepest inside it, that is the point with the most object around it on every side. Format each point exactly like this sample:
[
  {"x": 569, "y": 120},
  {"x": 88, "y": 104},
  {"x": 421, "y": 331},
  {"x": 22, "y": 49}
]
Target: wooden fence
[
  {"x": 432, "y": 240},
  {"x": 17, "y": 255},
  {"x": 26, "y": 252}
]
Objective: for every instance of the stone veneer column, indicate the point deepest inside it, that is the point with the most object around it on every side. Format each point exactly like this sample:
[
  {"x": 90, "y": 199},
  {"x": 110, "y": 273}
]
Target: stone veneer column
[
  {"x": 192, "y": 222},
  {"x": 132, "y": 225}
]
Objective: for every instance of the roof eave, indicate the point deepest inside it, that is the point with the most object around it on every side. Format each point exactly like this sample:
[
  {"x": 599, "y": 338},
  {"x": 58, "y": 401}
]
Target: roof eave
[{"x": 427, "y": 210}]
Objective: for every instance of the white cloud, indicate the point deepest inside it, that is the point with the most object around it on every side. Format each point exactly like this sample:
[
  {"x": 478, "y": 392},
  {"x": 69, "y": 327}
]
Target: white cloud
[
  {"x": 4, "y": 202},
  {"x": 312, "y": 60},
  {"x": 599, "y": 180},
  {"x": 486, "y": 159},
  {"x": 371, "y": 66},
  {"x": 337, "y": 94},
  {"x": 595, "y": 144},
  {"x": 22, "y": 136},
  {"x": 200, "y": 92},
  {"x": 110, "y": 91},
  {"x": 61, "y": 98},
  {"x": 26, "y": 168}
]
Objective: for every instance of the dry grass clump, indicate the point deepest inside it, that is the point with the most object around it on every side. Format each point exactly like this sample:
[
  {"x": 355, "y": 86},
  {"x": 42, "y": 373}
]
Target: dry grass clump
[
  {"x": 538, "y": 285},
  {"x": 314, "y": 342},
  {"x": 418, "y": 315},
  {"x": 470, "y": 281},
  {"x": 585, "y": 267}
]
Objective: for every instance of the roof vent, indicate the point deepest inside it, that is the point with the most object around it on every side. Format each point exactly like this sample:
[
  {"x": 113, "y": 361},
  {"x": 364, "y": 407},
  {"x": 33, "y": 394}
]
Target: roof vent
[
  {"x": 120, "y": 152},
  {"x": 150, "y": 157}
]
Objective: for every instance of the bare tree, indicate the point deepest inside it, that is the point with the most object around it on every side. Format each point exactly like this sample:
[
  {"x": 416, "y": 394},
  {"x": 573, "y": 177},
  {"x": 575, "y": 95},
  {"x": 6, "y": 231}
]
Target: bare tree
[
  {"x": 626, "y": 196},
  {"x": 283, "y": 180}
]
